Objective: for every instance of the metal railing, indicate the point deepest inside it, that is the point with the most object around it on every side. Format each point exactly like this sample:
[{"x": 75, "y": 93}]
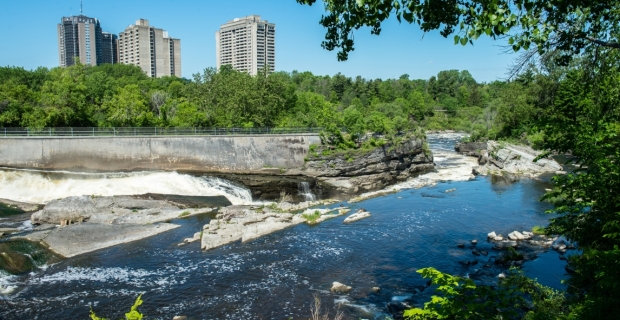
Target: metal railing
[{"x": 147, "y": 131}]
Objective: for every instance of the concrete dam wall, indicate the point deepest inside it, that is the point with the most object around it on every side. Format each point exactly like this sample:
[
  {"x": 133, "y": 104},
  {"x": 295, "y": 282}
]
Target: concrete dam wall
[{"x": 239, "y": 153}]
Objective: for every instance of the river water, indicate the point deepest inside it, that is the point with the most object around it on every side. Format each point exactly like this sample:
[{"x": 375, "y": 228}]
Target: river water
[{"x": 276, "y": 276}]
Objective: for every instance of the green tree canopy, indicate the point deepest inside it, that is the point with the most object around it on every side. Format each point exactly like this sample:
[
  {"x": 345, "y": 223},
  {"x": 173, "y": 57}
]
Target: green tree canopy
[{"x": 567, "y": 25}]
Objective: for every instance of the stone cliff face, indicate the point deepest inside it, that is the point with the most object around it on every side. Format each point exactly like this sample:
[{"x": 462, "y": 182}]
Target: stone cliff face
[{"x": 363, "y": 171}]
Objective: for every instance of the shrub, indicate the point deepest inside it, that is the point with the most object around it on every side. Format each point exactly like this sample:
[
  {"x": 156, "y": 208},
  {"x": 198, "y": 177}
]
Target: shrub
[
  {"x": 133, "y": 313},
  {"x": 538, "y": 230},
  {"x": 312, "y": 217}
]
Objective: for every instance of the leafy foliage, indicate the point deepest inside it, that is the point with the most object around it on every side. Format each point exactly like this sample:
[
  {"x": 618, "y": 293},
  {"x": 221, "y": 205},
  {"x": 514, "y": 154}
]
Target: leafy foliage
[
  {"x": 461, "y": 298},
  {"x": 568, "y": 26},
  {"x": 133, "y": 313}
]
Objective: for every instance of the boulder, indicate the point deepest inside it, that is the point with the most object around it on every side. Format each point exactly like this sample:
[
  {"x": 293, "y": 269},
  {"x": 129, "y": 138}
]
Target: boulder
[
  {"x": 375, "y": 289},
  {"x": 491, "y": 235},
  {"x": 498, "y": 238},
  {"x": 473, "y": 149},
  {"x": 338, "y": 287},
  {"x": 516, "y": 235},
  {"x": 483, "y": 159},
  {"x": 474, "y": 242}
]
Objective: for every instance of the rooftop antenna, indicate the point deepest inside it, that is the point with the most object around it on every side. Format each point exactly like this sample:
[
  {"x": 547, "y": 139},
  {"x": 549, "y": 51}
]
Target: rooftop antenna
[{"x": 81, "y": 8}]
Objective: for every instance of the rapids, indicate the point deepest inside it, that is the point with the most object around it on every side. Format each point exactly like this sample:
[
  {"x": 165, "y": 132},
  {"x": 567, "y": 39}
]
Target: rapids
[
  {"x": 43, "y": 186},
  {"x": 276, "y": 276}
]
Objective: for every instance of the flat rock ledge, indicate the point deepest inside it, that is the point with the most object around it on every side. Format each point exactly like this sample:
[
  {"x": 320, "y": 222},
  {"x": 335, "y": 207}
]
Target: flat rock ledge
[
  {"x": 247, "y": 223},
  {"x": 76, "y": 239},
  {"x": 359, "y": 215},
  {"x": 22, "y": 206},
  {"x": 111, "y": 210},
  {"x": 77, "y": 225},
  {"x": 503, "y": 158}
]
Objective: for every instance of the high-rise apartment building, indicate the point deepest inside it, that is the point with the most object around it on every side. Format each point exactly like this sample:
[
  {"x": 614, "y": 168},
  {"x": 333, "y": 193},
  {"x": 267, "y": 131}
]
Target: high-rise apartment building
[
  {"x": 247, "y": 44},
  {"x": 151, "y": 49},
  {"x": 107, "y": 52},
  {"x": 78, "y": 38},
  {"x": 81, "y": 38}
]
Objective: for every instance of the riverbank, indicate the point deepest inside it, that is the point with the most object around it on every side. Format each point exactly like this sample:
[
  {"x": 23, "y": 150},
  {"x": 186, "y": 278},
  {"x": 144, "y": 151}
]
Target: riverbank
[{"x": 509, "y": 160}]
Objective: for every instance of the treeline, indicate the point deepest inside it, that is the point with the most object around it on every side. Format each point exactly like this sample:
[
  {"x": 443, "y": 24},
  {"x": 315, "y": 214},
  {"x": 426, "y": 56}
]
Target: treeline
[{"x": 122, "y": 95}]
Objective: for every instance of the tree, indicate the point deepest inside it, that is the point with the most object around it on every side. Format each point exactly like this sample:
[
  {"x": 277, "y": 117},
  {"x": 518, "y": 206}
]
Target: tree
[
  {"x": 128, "y": 108},
  {"x": 565, "y": 25}
]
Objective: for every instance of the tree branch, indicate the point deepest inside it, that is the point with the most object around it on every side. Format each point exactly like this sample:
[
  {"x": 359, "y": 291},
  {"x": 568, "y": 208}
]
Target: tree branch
[{"x": 614, "y": 45}]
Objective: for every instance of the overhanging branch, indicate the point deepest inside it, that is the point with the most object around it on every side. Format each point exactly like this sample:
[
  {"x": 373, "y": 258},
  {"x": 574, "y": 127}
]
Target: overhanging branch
[{"x": 614, "y": 45}]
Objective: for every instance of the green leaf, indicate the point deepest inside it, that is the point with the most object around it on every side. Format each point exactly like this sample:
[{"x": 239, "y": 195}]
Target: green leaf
[
  {"x": 464, "y": 41},
  {"x": 408, "y": 16},
  {"x": 456, "y": 39}
]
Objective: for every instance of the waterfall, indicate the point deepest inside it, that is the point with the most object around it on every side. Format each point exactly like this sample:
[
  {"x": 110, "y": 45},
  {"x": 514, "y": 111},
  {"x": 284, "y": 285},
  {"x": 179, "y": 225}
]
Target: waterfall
[
  {"x": 35, "y": 186},
  {"x": 304, "y": 190}
]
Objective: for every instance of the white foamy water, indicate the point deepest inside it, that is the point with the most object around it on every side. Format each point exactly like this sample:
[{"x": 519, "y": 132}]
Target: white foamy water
[
  {"x": 450, "y": 166},
  {"x": 43, "y": 186}
]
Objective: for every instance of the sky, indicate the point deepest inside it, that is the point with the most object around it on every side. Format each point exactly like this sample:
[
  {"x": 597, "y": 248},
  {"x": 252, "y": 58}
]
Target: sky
[{"x": 30, "y": 37}]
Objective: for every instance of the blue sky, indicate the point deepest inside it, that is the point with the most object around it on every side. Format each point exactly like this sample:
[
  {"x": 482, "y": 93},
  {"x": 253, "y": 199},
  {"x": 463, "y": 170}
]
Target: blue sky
[{"x": 29, "y": 29}]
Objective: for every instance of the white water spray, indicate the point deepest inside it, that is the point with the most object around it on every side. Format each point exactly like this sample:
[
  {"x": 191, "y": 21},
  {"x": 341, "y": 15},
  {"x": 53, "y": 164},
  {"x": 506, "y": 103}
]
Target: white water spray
[{"x": 43, "y": 186}]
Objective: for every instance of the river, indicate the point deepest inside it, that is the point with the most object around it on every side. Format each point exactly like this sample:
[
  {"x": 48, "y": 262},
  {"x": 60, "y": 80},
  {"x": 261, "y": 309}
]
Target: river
[{"x": 276, "y": 276}]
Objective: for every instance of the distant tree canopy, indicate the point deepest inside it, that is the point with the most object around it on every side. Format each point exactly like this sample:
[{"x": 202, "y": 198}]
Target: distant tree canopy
[{"x": 122, "y": 95}]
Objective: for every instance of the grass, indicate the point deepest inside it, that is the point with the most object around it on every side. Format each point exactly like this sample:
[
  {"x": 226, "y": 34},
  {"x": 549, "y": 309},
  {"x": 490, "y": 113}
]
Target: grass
[
  {"x": 312, "y": 217},
  {"x": 538, "y": 230},
  {"x": 184, "y": 214}
]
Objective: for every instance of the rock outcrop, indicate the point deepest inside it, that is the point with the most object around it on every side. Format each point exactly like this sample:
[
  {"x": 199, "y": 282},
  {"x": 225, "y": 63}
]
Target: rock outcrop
[
  {"x": 110, "y": 210},
  {"x": 514, "y": 160},
  {"x": 363, "y": 171},
  {"x": 244, "y": 223},
  {"x": 472, "y": 149},
  {"x": 73, "y": 240},
  {"x": 357, "y": 216},
  {"x": 76, "y": 225}
]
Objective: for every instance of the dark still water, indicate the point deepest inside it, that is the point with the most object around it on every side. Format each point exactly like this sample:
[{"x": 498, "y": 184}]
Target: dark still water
[{"x": 276, "y": 276}]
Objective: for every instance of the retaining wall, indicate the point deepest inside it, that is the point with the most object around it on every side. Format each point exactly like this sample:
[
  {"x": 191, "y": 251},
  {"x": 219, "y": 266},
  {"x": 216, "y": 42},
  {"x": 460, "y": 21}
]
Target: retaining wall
[{"x": 241, "y": 153}]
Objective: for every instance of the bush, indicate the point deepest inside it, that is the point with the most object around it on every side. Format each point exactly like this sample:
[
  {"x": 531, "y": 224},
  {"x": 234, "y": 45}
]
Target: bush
[{"x": 312, "y": 217}]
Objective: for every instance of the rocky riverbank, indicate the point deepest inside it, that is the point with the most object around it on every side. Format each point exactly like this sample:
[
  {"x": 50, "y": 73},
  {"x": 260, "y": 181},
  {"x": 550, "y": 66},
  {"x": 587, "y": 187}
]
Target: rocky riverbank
[
  {"x": 342, "y": 173},
  {"x": 507, "y": 159}
]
